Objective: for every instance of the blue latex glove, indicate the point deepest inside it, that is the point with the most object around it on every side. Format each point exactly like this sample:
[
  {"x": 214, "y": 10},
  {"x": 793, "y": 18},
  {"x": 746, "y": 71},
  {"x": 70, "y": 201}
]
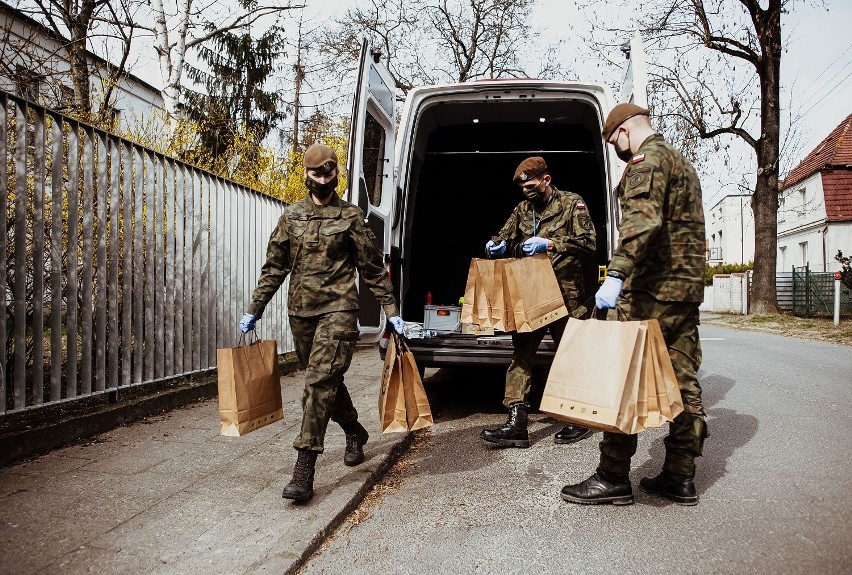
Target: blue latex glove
[
  {"x": 493, "y": 249},
  {"x": 534, "y": 245},
  {"x": 608, "y": 293},
  {"x": 247, "y": 323},
  {"x": 397, "y": 324}
]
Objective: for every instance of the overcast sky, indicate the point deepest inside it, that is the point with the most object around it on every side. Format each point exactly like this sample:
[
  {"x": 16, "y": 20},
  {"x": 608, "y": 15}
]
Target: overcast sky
[{"x": 817, "y": 67}]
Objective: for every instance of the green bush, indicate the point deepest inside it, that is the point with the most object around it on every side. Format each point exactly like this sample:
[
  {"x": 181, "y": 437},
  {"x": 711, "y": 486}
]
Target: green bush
[{"x": 710, "y": 271}]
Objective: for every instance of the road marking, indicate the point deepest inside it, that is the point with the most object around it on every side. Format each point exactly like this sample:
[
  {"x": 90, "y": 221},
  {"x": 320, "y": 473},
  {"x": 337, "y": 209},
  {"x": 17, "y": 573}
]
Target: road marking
[{"x": 712, "y": 338}]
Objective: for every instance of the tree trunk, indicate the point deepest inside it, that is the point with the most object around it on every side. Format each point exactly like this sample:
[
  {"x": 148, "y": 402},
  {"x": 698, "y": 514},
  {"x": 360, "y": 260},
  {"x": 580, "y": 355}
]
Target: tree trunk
[
  {"x": 80, "y": 70},
  {"x": 764, "y": 298}
]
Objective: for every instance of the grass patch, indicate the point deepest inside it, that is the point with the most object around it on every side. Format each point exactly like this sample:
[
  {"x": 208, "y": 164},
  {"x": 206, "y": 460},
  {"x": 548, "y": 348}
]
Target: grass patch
[{"x": 764, "y": 319}]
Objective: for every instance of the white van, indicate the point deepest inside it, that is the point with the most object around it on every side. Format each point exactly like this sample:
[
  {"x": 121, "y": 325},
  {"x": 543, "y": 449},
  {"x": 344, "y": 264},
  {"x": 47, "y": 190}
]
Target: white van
[{"x": 437, "y": 188}]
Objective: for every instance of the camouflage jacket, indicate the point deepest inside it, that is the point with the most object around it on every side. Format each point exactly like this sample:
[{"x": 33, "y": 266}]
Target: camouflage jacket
[
  {"x": 661, "y": 236},
  {"x": 321, "y": 247},
  {"x": 566, "y": 222}
]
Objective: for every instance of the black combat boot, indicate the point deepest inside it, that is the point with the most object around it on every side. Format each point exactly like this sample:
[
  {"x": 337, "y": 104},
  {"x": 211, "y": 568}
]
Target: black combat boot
[
  {"x": 571, "y": 434},
  {"x": 513, "y": 433},
  {"x": 678, "y": 488},
  {"x": 601, "y": 487},
  {"x": 301, "y": 487},
  {"x": 356, "y": 438}
]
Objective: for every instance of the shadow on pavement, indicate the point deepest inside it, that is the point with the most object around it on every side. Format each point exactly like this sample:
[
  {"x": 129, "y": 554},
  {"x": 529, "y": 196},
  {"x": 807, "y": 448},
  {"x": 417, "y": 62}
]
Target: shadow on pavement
[{"x": 729, "y": 431}]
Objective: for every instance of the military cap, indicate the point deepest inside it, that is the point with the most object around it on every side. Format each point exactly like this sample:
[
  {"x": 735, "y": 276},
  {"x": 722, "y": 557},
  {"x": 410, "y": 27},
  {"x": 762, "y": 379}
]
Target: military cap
[
  {"x": 320, "y": 158},
  {"x": 620, "y": 114},
  {"x": 528, "y": 169}
]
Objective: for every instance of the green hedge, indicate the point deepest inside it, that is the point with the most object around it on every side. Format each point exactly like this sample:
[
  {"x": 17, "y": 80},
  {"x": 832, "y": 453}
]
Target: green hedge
[{"x": 710, "y": 271}]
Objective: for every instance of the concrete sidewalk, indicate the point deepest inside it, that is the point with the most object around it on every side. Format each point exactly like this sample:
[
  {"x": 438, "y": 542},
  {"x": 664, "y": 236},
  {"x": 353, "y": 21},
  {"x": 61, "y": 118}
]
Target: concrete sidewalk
[{"x": 169, "y": 495}]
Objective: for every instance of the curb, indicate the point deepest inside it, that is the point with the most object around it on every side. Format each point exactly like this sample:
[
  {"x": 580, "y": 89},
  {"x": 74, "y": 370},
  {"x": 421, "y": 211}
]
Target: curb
[{"x": 337, "y": 520}]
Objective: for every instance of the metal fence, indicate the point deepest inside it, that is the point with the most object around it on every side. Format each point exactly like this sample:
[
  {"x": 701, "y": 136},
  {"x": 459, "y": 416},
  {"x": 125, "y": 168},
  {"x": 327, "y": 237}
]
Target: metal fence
[
  {"x": 122, "y": 266},
  {"x": 813, "y": 293}
]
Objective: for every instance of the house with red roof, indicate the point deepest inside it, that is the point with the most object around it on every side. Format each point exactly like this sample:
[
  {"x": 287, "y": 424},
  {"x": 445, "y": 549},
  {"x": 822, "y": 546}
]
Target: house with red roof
[{"x": 815, "y": 205}]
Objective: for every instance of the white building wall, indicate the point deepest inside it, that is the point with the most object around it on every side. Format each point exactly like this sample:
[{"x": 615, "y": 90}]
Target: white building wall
[
  {"x": 838, "y": 237},
  {"x": 730, "y": 231},
  {"x": 803, "y": 237}
]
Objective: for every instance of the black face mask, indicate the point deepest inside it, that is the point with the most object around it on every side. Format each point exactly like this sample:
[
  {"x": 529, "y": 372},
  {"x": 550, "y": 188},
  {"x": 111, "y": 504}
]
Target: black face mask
[
  {"x": 534, "y": 195},
  {"x": 321, "y": 191},
  {"x": 623, "y": 155}
]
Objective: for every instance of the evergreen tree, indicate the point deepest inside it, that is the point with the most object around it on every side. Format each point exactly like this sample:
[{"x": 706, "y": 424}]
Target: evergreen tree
[{"x": 233, "y": 103}]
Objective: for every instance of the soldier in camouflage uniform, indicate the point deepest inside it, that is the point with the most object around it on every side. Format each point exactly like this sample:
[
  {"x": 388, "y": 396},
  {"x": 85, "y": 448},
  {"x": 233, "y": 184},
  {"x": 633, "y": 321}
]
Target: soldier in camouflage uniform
[
  {"x": 557, "y": 222},
  {"x": 659, "y": 263},
  {"x": 320, "y": 242}
]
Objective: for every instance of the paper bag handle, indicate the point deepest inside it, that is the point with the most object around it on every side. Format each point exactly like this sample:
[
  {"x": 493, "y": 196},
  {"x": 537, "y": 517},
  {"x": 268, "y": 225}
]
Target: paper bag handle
[
  {"x": 592, "y": 310},
  {"x": 243, "y": 338}
]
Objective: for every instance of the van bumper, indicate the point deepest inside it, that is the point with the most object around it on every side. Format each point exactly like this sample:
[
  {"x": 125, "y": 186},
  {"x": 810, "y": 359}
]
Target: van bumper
[{"x": 471, "y": 351}]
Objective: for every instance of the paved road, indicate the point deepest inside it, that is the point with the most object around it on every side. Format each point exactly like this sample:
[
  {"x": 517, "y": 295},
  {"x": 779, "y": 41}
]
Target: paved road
[{"x": 776, "y": 482}]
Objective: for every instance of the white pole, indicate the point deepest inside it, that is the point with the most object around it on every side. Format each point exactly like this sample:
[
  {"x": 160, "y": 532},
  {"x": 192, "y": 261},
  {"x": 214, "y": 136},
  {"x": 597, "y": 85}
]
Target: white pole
[{"x": 837, "y": 302}]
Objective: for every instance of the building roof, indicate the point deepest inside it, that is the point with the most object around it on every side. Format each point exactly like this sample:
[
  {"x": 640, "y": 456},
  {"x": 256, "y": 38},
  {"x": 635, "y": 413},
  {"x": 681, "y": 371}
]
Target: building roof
[
  {"x": 835, "y": 151},
  {"x": 837, "y": 187}
]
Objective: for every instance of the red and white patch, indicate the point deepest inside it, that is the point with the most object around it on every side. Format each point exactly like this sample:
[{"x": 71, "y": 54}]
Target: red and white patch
[
  {"x": 637, "y": 158},
  {"x": 581, "y": 206}
]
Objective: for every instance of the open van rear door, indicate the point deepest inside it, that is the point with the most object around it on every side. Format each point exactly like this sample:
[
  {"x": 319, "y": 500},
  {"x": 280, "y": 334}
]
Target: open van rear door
[
  {"x": 634, "y": 88},
  {"x": 370, "y": 167}
]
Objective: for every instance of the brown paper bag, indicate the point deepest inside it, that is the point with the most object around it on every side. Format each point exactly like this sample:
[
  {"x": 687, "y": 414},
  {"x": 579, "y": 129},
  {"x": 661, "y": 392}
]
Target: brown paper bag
[
  {"x": 667, "y": 389},
  {"x": 468, "y": 311},
  {"x": 646, "y": 387},
  {"x": 392, "y": 414},
  {"x": 249, "y": 387},
  {"x": 533, "y": 292},
  {"x": 418, "y": 412},
  {"x": 484, "y": 283},
  {"x": 586, "y": 389},
  {"x": 502, "y": 318}
]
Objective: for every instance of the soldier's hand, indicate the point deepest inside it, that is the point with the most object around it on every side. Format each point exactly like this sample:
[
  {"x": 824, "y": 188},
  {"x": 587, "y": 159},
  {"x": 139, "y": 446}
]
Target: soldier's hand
[
  {"x": 247, "y": 323},
  {"x": 535, "y": 245},
  {"x": 493, "y": 249},
  {"x": 608, "y": 293},
  {"x": 397, "y": 323}
]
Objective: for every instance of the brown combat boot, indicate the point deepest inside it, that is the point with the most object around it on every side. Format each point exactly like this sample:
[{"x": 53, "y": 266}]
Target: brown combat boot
[
  {"x": 356, "y": 439},
  {"x": 301, "y": 487}
]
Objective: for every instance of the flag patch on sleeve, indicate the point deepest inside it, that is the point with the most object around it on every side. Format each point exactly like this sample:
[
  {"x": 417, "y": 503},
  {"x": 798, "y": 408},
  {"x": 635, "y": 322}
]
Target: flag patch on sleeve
[{"x": 637, "y": 158}]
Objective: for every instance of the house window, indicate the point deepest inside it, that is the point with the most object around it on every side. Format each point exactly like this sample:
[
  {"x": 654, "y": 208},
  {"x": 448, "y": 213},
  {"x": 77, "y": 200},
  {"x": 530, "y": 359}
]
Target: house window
[
  {"x": 803, "y": 198},
  {"x": 66, "y": 97},
  {"x": 803, "y": 248},
  {"x": 783, "y": 250},
  {"x": 28, "y": 83}
]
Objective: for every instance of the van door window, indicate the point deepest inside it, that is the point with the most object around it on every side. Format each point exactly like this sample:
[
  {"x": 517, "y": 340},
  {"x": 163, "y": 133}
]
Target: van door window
[{"x": 374, "y": 160}]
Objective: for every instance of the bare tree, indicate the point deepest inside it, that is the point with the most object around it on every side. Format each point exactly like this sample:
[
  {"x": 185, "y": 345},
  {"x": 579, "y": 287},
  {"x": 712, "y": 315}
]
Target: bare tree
[
  {"x": 76, "y": 26},
  {"x": 715, "y": 75},
  {"x": 437, "y": 41},
  {"x": 188, "y": 28},
  {"x": 482, "y": 36}
]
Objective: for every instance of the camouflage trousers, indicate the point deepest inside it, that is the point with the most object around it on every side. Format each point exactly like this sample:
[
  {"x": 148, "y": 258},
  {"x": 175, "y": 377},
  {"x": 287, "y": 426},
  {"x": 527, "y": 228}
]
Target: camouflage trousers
[
  {"x": 519, "y": 374},
  {"x": 685, "y": 441},
  {"x": 324, "y": 346}
]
